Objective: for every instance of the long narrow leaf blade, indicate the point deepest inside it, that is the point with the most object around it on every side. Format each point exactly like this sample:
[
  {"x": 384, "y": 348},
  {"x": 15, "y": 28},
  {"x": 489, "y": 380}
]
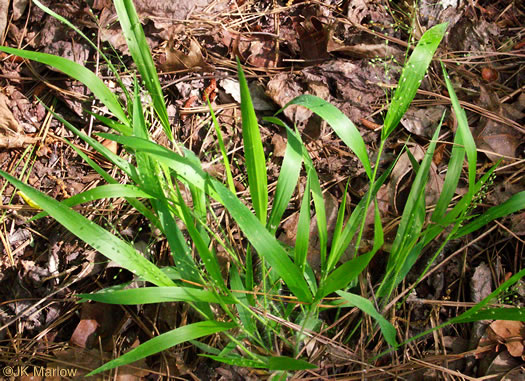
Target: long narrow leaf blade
[
  {"x": 513, "y": 204},
  {"x": 95, "y": 236},
  {"x": 288, "y": 177},
  {"x": 102, "y": 192},
  {"x": 78, "y": 72},
  {"x": 365, "y": 305},
  {"x": 342, "y": 126},
  {"x": 265, "y": 243},
  {"x": 260, "y": 238},
  {"x": 166, "y": 341},
  {"x": 464, "y": 131},
  {"x": 412, "y": 75},
  {"x": 253, "y": 151},
  {"x": 139, "y": 49},
  {"x": 148, "y": 295}
]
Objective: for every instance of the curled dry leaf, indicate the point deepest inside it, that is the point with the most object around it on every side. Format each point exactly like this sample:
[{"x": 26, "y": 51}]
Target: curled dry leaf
[
  {"x": 509, "y": 333},
  {"x": 357, "y": 10},
  {"x": 8, "y": 123},
  {"x": 16, "y": 141},
  {"x": 422, "y": 122},
  {"x": 495, "y": 136},
  {"x": 284, "y": 87},
  {"x": 19, "y": 6},
  {"x": 193, "y": 60},
  {"x": 98, "y": 321},
  {"x": 364, "y": 50},
  {"x": 313, "y": 38},
  {"x": 111, "y": 145}
]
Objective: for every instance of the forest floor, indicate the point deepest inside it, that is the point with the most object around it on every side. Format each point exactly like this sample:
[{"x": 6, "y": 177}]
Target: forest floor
[{"x": 349, "y": 53}]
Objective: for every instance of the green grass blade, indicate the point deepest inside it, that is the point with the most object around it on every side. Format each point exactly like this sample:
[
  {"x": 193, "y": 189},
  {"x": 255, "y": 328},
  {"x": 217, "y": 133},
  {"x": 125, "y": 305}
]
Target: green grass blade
[
  {"x": 102, "y": 192},
  {"x": 113, "y": 124},
  {"x": 126, "y": 167},
  {"x": 349, "y": 230},
  {"x": 198, "y": 196},
  {"x": 303, "y": 229},
  {"x": 411, "y": 77},
  {"x": 455, "y": 215},
  {"x": 365, "y": 305},
  {"x": 342, "y": 126},
  {"x": 516, "y": 314},
  {"x": 166, "y": 341},
  {"x": 411, "y": 223},
  {"x": 464, "y": 131},
  {"x": 208, "y": 258},
  {"x": 181, "y": 165},
  {"x": 224, "y": 153},
  {"x": 246, "y": 318},
  {"x": 320, "y": 211},
  {"x": 350, "y": 270},
  {"x": 139, "y": 50},
  {"x": 343, "y": 275},
  {"x": 288, "y": 363},
  {"x": 89, "y": 41},
  {"x": 78, "y": 72},
  {"x": 253, "y": 151},
  {"x": 472, "y": 313},
  {"x": 288, "y": 177},
  {"x": 513, "y": 204},
  {"x": 148, "y": 295},
  {"x": 106, "y": 176},
  {"x": 95, "y": 236},
  {"x": 262, "y": 240},
  {"x": 265, "y": 243},
  {"x": 238, "y": 361},
  {"x": 270, "y": 363},
  {"x": 455, "y": 165}
]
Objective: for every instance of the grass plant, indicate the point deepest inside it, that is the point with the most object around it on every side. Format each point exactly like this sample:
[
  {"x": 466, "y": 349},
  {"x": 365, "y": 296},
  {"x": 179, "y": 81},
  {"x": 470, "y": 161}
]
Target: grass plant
[{"x": 266, "y": 274}]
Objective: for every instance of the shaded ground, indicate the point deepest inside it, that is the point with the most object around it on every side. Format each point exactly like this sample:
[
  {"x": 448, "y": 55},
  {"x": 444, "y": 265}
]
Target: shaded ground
[{"x": 349, "y": 53}]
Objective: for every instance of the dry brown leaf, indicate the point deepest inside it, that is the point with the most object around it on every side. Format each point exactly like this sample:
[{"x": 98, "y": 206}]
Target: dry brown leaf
[
  {"x": 357, "y": 10},
  {"x": 364, "y": 50},
  {"x": 110, "y": 145},
  {"x": 8, "y": 123},
  {"x": 313, "y": 38},
  {"x": 480, "y": 283},
  {"x": 193, "y": 60},
  {"x": 16, "y": 141},
  {"x": 517, "y": 222},
  {"x": 97, "y": 320},
  {"x": 19, "y": 6},
  {"x": 4, "y": 9},
  {"x": 258, "y": 51},
  {"x": 510, "y": 333},
  {"x": 284, "y": 87},
  {"x": 494, "y": 136},
  {"x": 422, "y": 121}
]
